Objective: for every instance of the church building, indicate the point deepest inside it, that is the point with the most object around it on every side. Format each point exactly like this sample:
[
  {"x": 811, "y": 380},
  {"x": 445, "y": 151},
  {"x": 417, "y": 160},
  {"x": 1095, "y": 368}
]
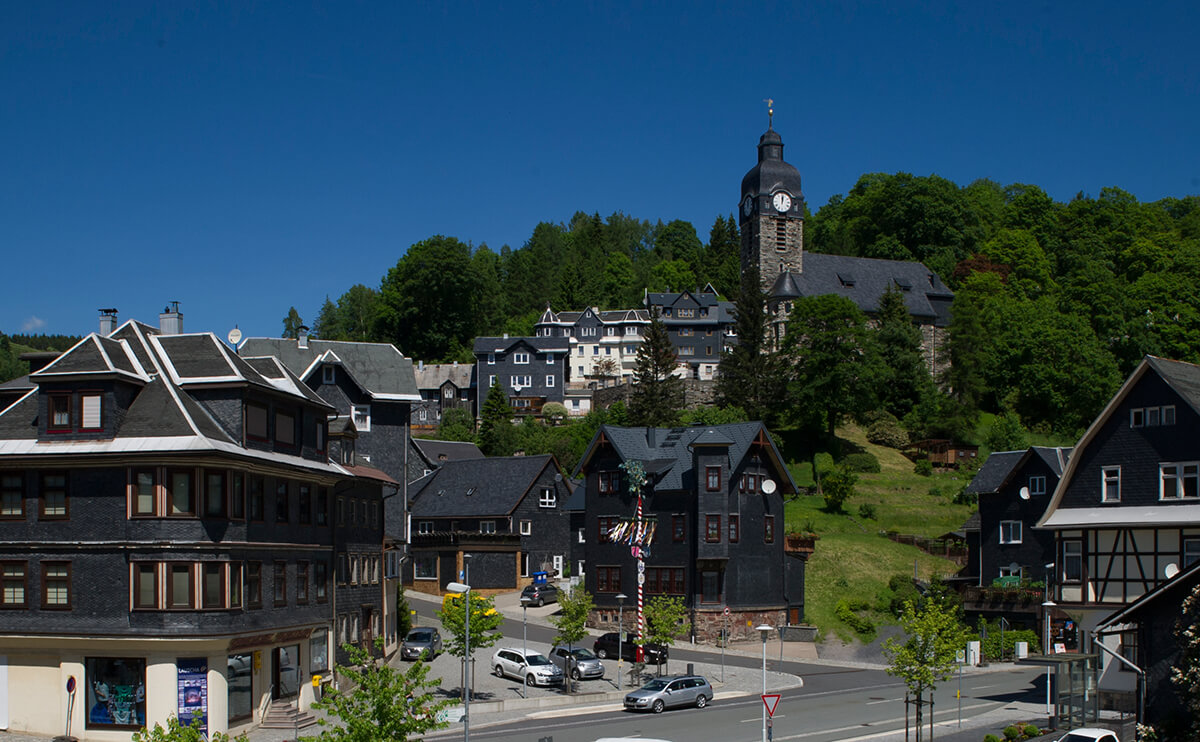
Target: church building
[{"x": 771, "y": 217}]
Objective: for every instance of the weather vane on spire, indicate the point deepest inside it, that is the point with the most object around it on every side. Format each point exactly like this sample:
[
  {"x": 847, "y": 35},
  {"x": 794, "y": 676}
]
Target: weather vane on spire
[{"x": 770, "y": 110}]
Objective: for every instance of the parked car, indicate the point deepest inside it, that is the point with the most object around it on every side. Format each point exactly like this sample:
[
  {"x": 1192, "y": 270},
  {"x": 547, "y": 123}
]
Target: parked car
[
  {"x": 579, "y": 662},
  {"x": 606, "y": 646},
  {"x": 540, "y": 595},
  {"x": 662, "y": 693},
  {"x": 1090, "y": 734},
  {"x": 528, "y": 666},
  {"x": 420, "y": 640}
]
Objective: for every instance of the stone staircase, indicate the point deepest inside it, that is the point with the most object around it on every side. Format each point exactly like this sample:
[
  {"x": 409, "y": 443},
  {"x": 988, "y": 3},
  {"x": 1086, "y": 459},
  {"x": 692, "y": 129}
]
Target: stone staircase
[{"x": 283, "y": 714}]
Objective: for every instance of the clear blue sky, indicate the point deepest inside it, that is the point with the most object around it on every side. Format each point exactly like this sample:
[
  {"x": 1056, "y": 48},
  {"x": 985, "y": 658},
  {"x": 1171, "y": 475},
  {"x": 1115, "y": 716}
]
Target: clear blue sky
[{"x": 246, "y": 157}]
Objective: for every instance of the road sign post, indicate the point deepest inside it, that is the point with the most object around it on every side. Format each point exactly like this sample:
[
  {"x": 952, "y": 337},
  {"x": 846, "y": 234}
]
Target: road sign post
[{"x": 771, "y": 700}]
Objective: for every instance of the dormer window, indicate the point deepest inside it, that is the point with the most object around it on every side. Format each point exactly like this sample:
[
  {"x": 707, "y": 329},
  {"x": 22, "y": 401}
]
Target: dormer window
[
  {"x": 285, "y": 428},
  {"x": 520, "y": 358},
  {"x": 256, "y": 422},
  {"x": 328, "y": 374},
  {"x": 60, "y": 412},
  {"x": 89, "y": 408},
  {"x": 362, "y": 417}
]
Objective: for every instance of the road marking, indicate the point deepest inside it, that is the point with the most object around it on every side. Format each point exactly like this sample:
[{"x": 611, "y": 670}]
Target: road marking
[
  {"x": 883, "y": 700},
  {"x": 820, "y": 732}
]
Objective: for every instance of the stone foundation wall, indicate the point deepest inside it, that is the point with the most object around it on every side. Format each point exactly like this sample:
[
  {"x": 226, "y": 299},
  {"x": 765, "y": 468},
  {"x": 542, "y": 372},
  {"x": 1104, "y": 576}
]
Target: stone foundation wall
[
  {"x": 696, "y": 393},
  {"x": 709, "y": 624}
]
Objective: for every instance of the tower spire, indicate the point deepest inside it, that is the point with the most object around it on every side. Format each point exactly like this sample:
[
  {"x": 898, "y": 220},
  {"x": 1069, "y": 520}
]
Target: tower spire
[{"x": 770, "y": 111}]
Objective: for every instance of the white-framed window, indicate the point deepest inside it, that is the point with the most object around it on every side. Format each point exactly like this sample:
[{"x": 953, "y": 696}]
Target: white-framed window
[
  {"x": 1137, "y": 417},
  {"x": 424, "y": 526},
  {"x": 575, "y": 404},
  {"x": 579, "y": 535},
  {"x": 1010, "y": 531},
  {"x": 90, "y": 411},
  {"x": 422, "y": 414},
  {"x": 448, "y": 392},
  {"x": 491, "y": 359},
  {"x": 550, "y": 380},
  {"x": 491, "y": 381},
  {"x": 1011, "y": 571},
  {"x": 580, "y": 350},
  {"x": 487, "y": 526},
  {"x": 548, "y": 498},
  {"x": 549, "y": 359},
  {"x": 520, "y": 358},
  {"x": 328, "y": 374},
  {"x": 1037, "y": 485},
  {"x": 1110, "y": 484},
  {"x": 1150, "y": 417},
  {"x": 610, "y": 331},
  {"x": 362, "y": 417},
  {"x": 518, "y": 381},
  {"x": 1191, "y": 551},
  {"x": 580, "y": 367},
  {"x": 1178, "y": 480},
  {"x": 1072, "y": 560},
  {"x": 526, "y": 528},
  {"x": 587, "y": 332}
]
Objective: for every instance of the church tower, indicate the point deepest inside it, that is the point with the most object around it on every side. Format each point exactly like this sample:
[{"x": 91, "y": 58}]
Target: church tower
[{"x": 771, "y": 214}]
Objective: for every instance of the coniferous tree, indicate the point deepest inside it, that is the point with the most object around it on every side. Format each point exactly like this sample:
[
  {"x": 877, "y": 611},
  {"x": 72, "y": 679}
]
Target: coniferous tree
[
  {"x": 657, "y": 395},
  {"x": 497, "y": 436},
  {"x": 752, "y": 376},
  {"x": 904, "y": 377},
  {"x": 292, "y": 324}
]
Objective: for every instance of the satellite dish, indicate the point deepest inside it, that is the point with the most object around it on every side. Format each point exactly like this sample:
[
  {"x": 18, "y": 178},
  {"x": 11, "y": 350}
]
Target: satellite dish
[
  {"x": 768, "y": 486},
  {"x": 1024, "y": 493},
  {"x": 1171, "y": 570},
  {"x": 234, "y": 336},
  {"x": 558, "y": 477}
]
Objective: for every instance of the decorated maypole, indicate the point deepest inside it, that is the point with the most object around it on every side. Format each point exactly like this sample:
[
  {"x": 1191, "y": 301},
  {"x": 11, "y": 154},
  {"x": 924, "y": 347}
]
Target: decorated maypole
[{"x": 638, "y": 535}]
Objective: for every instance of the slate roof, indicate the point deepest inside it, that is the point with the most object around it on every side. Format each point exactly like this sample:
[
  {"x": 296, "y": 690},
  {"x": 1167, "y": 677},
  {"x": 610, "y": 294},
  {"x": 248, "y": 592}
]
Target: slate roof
[
  {"x": 379, "y": 369},
  {"x": 433, "y": 450},
  {"x": 540, "y": 344},
  {"x": 94, "y": 356},
  {"x": 863, "y": 281},
  {"x": 607, "y": 316},
  {"x": 433, "y": 375},
  {"x": 666, "y": 453},
  {"x": 470, "y": 488},
  {"x": 994, "y": 472}
]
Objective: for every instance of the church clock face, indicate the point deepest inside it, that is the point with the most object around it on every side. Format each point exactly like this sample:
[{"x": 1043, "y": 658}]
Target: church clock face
[
  {"x": 747, "y": 205},
  {"x": 781, "y": 201}
]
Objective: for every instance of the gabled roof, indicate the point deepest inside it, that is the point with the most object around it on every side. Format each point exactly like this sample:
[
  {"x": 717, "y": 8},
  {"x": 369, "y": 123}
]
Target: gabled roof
[
  {"x": 470, "y": 488},
  {"x": 433, "y": 375},
  {"x": 379, "y": 369},
  {"x": 863, "y": 281},
  {"x": 999, "y": 468},
  {"x": 437, "y": 452},
  {"x": 1182, "y": 377},
  {"x": 666, "y": 453},
  {"x": 505, "y": 344}
]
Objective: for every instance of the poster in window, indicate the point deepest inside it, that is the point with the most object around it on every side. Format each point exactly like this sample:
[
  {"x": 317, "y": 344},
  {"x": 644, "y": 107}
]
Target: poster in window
[
  {"x": 193, "y": 690},
  {"x": 116, "y": 692}
]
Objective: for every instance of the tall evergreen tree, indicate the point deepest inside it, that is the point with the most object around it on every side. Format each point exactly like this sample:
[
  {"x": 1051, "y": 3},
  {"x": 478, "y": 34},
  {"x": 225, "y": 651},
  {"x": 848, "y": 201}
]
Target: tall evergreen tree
[
  {"x": 497, "y": 436},
  {"x": 752, "y": 376},
  {"x": 292, "y": 324},
  {"x": 904, "y": 376},
  {"x": 657, "y": 395}
]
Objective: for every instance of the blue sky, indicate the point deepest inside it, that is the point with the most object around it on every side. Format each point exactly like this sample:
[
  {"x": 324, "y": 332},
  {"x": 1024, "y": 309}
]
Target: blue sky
[{"x": 245, "y": 157}]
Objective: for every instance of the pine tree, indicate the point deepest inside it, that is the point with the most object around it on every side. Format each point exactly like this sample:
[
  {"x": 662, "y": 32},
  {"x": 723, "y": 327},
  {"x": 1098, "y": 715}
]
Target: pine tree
[
  {"x": 657, "y": 395},
  {"x": 752, "y": 376},
  {"x": 496, "y": 432}
]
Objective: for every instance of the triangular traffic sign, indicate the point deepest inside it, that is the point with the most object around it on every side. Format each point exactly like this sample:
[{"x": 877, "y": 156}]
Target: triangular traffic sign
[{"x": 770, "y": 700}]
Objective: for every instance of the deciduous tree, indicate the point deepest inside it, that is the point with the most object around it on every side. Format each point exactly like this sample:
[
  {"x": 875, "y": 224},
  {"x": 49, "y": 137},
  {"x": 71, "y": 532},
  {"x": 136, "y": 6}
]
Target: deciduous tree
[
  {"x": 926, "y": 657},
  {"x": 666, "y": 620}
]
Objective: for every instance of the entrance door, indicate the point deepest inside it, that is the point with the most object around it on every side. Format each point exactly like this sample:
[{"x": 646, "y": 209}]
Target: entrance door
[
  {"x": 285, "y": 671},
  {"x": 368, "y": 624},
  {"x": 558, "y": 563}
]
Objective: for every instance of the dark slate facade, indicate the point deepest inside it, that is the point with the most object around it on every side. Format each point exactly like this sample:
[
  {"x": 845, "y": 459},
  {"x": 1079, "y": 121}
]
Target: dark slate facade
[
  {"x": 700, "y": 325},
  {"x": 531, "y": 370},
  {"x": 719, "y": 539},
  {"x": 442, "y": 386}
]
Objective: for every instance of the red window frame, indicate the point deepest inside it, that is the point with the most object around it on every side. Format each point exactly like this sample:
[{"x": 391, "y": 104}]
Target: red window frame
[
  {"x": 603, "y": 525},
  {"x": 145, "y": 571},
  {"x": 212, "y": 599},
  {"x": 712, "y": 478},
  {"x": 189, "y": 602},
  {"x": 66, "y": 495},
  {"x": 608, "y": 579},
  {"x": 769, "y": 529},
  {"x": 56, "y": 403},
  {"x": 609, "y": 482},
  {"x": 712, "y": 529},
  {"x": 733, "y": 529},
  {"x": 190, "y": 510}
]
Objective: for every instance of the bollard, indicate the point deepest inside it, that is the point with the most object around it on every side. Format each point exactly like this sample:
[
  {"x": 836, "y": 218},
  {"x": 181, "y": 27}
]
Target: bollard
[{"x": 691, "y": 669}]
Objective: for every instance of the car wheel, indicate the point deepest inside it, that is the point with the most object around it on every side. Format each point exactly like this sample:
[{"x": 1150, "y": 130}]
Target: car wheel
[
  {"x": 499, "y": 671},
  {"x": 658, "y": 706},
  {"x": 530, "y": 680},
  {"x": 541, "y": 602},
  {"x": 602, "y": 653},
  {"x": 701, "y": 701},
  {"x": 575, "y": 674}
]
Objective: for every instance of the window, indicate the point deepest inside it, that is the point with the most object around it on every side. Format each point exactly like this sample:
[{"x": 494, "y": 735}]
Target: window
[
  {"x": 749, "y": 483},
  {"x": 685, "y": 312},
  {"x": 422, "y": 414},
  {"x": 710, "y": 587},
  {"x": 520, "y": 381},
  {"x": 254, "y": 584},
  {"x": 257, "y": 498},
  {"x": 328, "y": 374},
  {"x": 604, "y": 526},
  {"x": 1110, "y": 486},
  {"x": 425, "y": 566},
  {"x": 733, "y": 528},
  {"x": 279, "y": 580},
  {"x": 712, "y": 529},
  {"x": 1037, "y": 485},
  {"x": 214, "y": 493},
  {"x": 608, "y": 579},
  {"x": 145, "y": 585},
  {"x": 12, "y": 496},
  {"x": 526, "y": 528},
  {"x": 1191, "y": 551},
  {"x": 60, "y": 412},
  {"x": 301, "y": 582},
  {"x": 212, "y": 585},
  {"x": 341, "y": 521},
  {"x": 305, "y": 505},
  {"x": 235, "y": 584},
  {"x": 285, "y": 428},
  {"x": 1010, "y": 531},
  {"x": 54, "y": 504},
  {"x": 1129, "y": 647},
  {"x": 491, "y": 359},
  {"x": 550, "y": 380},
  {"x": 687, "y": 350},
  {"x": 179, "y": 586},
  {"x": 1072, "y": 560},
  {"x": 520, "y": 358},
  {"x": 237, "y": 497},
  {"x": 1179, "y": 480},
  {"x": 89, "y": 406},
  {"x": 1011, "y": 571},
  {"x": 362, "y": 417},
  {"x": 256, "y": 422},
  {"x": 660, "y": 580},
  {"x": 321, "y": 581},
  {"x": 712, "y": 477},
  {"x": 595, "y": 350},
  {"x": 487, "y": 526},
  {"x": 180, "y": 497},
  {"x": 322, "y": 433},
  {"x": 685, "y": 332},
  {"x": 609, "y": 482},
  {"x": 678, "y": 528},
  {"x": 587, "y": 332},
  {"x": 1150, "y": 417},
  {"x": 322, "y": 516},
  {"x": 281, "y": 502},
  {"x": 425, "y": 526},
  {"x": 768, "y": 529},
  {"x": 549, "y": 498},
  {"x": 13, "y": 584}
]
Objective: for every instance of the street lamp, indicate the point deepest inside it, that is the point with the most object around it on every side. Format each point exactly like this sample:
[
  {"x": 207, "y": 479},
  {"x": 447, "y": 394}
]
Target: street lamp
[
  {"x": 464, "y": 589},
  {"x": 763, "y": 629},
  {"x": 525, "y": 601},
  {"x": 620, "y": 636},
  {"x": 1046, "y": 610}
]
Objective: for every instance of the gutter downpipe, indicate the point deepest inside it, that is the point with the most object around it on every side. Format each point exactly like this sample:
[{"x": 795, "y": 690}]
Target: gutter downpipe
[{"x": 1141, "y": 674}]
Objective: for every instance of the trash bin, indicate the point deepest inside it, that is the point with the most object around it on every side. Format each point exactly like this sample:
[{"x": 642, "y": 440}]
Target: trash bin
[{"x": 540, "y": 578}]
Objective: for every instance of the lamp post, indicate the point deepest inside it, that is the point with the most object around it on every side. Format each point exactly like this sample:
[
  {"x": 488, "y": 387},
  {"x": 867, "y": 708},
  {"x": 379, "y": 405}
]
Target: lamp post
[
  {"x": 464, "y": 589},
  {"x": 525, "y": 601},
  {"x": 620, "y": 636},
  {"x": 1046, "y": 610},
  {"x": 763, "y": 629}
]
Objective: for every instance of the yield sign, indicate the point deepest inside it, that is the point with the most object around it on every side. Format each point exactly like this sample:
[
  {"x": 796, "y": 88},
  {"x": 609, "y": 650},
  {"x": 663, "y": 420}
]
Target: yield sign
[{"x": 770, "y": 700}]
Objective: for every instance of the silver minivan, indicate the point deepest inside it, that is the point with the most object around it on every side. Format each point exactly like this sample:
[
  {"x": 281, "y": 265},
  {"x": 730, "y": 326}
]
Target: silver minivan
[{"x": 662, "y": 693}]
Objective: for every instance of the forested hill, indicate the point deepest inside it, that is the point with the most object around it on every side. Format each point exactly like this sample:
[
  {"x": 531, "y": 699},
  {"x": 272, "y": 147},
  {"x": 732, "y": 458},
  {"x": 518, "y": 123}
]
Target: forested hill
[
  {"x": 12, "y": 346},
  {"x": 1056, "y": 301}
]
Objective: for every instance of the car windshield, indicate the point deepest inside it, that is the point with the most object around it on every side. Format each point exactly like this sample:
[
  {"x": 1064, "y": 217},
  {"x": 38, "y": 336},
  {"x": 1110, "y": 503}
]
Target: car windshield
[
  {"x": 420, "y": 636},
  {"x": 583, "y": 654},
  {"x": 655, "y": 685},
  {"x": 536, "y": 659}
]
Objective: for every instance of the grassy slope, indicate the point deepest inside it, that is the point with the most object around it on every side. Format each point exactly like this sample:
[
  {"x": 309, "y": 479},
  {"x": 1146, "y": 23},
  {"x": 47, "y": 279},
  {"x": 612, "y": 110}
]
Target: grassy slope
[{"x": 852, "y": 560}]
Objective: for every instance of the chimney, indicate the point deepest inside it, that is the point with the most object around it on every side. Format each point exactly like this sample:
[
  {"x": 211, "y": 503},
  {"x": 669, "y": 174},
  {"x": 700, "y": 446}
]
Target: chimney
[
  {"x": 420, "y": 365},
  {"x": 302, "y": 337},
  {"x": 108, "y": 321},
  {"x": 651, "y": 437},
  {"x": 170, "y": 322},
  {"x": 506, "y": 336}
]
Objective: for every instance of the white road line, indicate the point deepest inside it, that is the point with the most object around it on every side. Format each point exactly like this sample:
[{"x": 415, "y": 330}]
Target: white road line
[
  {"x": 820, "y": 732},
  {"x": 883, "y": 700}
]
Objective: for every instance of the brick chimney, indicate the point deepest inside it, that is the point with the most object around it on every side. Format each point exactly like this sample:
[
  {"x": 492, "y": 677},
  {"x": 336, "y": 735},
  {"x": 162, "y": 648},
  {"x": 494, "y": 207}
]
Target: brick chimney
[
  {"x": 108, "y": 321},
  {"x": 170, "y": 322}
]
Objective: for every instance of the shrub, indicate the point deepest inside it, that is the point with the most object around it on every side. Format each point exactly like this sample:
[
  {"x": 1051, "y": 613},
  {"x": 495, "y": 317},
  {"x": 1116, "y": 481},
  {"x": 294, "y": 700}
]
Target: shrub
[
  {"x": 866, "y": 511},
  {"x": 991, "y": 738},
  {"x": 824, "y": 464},
  {"x": 837, "y": 487},
  {"x": 862, "y": 462},
  {"x": 923, "y": 467},
  {"x": 887, "y": 432},
  {"x": 847, "y": 612},
  {"x": 1012, "y": 732},
  {"x": 1030, "y": 731},
  {"x": 903, "y": 591}
]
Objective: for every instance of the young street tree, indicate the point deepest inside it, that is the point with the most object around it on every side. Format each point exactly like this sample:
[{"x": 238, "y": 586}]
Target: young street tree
[
  {"x": 666, "y": 619},
  {"x": 657, "y": 394},
  {"x": 927, "y": 656},
  {"x": 571, "y": 621},
  {"x": 381, "y": 703},
  {"x": 485, "y": 625}
]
